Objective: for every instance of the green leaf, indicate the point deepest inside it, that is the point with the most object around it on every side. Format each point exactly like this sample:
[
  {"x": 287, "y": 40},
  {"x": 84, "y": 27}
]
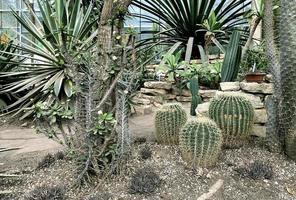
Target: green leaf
[
  {"x": 68, "y": 87},
  {"x": 58, "y": 85}
]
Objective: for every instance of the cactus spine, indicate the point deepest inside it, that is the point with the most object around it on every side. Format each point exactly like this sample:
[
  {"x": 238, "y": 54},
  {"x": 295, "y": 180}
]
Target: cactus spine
[
  {"x": 235, "y": 116},
  {"x": 168, "y": 122},
  {"x": 200, "y": 142}
]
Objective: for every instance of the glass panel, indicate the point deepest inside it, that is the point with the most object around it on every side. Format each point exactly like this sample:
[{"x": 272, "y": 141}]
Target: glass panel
[
  {"x": 10, "y": 32},
  {"x": 8, "y": 20},
  {"x": 8, "y": 4}
]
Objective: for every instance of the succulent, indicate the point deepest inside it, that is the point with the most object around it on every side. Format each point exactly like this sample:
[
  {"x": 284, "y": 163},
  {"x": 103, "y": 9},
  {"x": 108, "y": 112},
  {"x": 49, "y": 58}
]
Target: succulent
[
  {"x": 256, "y": 170},
  {"x": 46, "y": 193},
  {"x": 200, "y": 142},
  {"x": 235, "y": 116},
  {"x": 46, "y": 162},
  {"x": 145, "y": 153},
  {"x": 144, "y": 181},
  {"x": 168, "y": 122},
  {"x": 60, "y": 155}
]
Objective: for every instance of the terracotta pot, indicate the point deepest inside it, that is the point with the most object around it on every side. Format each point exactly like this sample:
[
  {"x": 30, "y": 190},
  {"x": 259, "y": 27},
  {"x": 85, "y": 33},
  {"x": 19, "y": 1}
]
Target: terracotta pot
[{"x": 255, "y": 77}]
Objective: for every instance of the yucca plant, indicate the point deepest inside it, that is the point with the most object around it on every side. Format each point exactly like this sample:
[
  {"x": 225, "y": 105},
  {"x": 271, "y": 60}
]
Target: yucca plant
[
  {"x": 184, "y": 19},
  {"x": 50, "y": 55}
]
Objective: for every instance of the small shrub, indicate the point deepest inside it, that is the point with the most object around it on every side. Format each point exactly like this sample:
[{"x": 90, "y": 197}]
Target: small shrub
[
  {"x": 60, "y": 155},
  {"x": 46, "y": 162},
  {"x": 46, "y": 193},
  {"x": 145, "y": 153},
  {"x": 101, "y": 196},
  {"x": 144, "y": 181},
  {"x": 256, "y": 170}
]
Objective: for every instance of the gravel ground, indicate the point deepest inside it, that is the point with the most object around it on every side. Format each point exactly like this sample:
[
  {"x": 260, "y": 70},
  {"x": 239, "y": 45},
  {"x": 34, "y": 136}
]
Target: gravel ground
[{"x": 177, "y": 180}]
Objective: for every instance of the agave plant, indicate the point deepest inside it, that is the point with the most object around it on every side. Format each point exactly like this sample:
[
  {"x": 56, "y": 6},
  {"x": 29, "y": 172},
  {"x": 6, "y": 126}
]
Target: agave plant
[
  {"x": 50, "y": 55},
  {"x": 184, "y": 19}
]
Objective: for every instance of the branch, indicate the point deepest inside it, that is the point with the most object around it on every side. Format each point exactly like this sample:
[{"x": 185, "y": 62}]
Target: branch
[{"x": 212, "y": 190}]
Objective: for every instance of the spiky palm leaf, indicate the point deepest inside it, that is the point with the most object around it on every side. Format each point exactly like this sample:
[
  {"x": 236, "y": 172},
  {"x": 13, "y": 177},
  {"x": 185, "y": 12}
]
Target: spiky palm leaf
[
  {"x": 49, "y": 55},
  {"x": 180, "y": 20}
]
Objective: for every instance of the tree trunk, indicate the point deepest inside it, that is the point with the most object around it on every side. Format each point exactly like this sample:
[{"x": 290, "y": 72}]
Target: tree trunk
[
  {"x": 273, "y": 138},
  {"x": 288, "y": 75},
  {"x": 256, "y": 21}
]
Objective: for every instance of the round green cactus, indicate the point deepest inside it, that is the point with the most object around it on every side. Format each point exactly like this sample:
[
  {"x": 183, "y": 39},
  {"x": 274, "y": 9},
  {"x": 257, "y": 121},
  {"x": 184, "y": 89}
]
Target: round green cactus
[
  {"x": 200, "y": 142},
  {"x": 168, "y": 122},
  {"x": 235, "y": 116}
]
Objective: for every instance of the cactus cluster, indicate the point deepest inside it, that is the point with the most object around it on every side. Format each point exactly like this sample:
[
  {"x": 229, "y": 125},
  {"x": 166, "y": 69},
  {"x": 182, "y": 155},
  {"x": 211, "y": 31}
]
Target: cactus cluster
[
  {"x": 200, "y": 142},
  {"x": 168, "y": 122},
  {"x": 235, "y": 116}
]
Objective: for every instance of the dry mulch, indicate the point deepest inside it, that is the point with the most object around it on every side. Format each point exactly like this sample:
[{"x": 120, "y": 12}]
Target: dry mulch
[{"x": 177, "y": 180}]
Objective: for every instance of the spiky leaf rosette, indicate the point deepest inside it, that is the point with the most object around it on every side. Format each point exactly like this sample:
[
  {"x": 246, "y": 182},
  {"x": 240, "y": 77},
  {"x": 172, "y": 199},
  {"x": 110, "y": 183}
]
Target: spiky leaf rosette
[
  {"x": 168, "y": 122},
  {"x": 200, "y": 142},
  {"x": 234, "y": 114}
]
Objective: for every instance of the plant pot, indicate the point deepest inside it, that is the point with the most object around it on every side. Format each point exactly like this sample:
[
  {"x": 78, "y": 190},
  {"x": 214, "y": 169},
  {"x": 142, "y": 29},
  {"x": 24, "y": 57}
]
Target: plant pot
[{"x": 257, "y": 77}]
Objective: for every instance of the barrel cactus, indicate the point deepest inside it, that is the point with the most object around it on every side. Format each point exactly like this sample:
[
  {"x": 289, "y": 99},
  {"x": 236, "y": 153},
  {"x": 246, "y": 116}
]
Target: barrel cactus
[
  {"x": 234, "y": 114},
  {"x": 168, "y": 122},
  {"x": 200, "y": 142}
]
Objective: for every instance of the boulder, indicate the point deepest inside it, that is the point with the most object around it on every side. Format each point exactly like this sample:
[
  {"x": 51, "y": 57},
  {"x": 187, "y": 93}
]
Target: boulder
[
  {"x": 142, "y": 109},
  {"x": 158, "y": 99},
  {"x": 259, "y": 131},
  {"x": 158, "y": 85},
  {"x": 203, "y": 108},
  {"x": 255, "y": 100},
  {"x": 183, "y": 92},
  {"x": 154, "y": 92},
  {"x": 261, "y": 88},
  {"x": 170, "y": 96},
  {"x": 137, "y": 100},
  {"x": 207, "y": 93},
  {"x": 260, "y": 116},
  {"x": 230, "y": 86},
  {"x": 183, "y": 99}
]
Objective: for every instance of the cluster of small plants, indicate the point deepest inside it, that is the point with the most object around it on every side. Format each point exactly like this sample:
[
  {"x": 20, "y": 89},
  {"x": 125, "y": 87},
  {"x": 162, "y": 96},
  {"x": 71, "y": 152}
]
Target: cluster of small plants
[
  {"x": 144, "y": 181},
  {"x": 256, "y": 170},
  {"x": 145, "y": 153},
  {"x": 45, "y": 192},
  {"x": 50, "y": 159}
]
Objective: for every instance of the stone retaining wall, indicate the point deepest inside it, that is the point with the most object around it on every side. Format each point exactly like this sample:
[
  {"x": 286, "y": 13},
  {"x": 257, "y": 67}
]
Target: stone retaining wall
[{"x": 156, "y": 93}]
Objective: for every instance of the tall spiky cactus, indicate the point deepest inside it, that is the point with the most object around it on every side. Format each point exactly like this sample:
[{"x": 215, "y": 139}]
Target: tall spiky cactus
[
  {"x": 200, "y": 142},
  {"x": 196, "y": 99},
  {"x": 235, "y": 116},
  {"x": 168, "y": 122},
  {"x": 288, "y": 75},
  {"x": 274, "y": 140}
]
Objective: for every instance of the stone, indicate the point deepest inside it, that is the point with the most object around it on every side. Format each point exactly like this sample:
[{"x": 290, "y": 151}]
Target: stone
[
  {"x": 158, "y": 85},
  {"x": 183, "y": 92},
  {"x": 203, "y": 109},
  {"x": 170, "y": 96},
  {"x": 259, "y": 131},
  {"x": 255, "y": 100},
  {"x": 183, "y": 99},
  {"x": 207, "y": 93},
  {"x": 137, "y": 100},
  {"x": 154, "y": 92},
  {"x": 269, "y": 78},
  {"x": 260, "y": 116},
  {"x": 143, "y": 109},
  {"x": 261, "y": 88},
  {"x": 158, "y": 99},
  {"x": 230, "y": 86}
]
